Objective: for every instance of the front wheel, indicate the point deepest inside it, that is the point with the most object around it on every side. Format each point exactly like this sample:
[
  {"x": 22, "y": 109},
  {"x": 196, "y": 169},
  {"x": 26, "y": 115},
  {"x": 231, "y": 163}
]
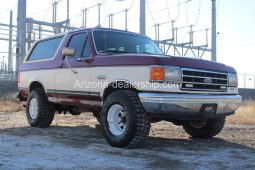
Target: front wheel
[
  {"x": 124, "y": 120},
  {"x": 97, "y": 114},
  {"x": 204, "y": 128},
  {"x": 39, "y": 111}
]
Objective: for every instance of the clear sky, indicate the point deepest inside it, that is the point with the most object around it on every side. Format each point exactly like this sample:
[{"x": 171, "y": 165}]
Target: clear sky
[{"x": 235, "y": 22}]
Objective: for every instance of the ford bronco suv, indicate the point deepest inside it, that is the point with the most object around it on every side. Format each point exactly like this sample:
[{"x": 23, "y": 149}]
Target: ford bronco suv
[{"x": 125, "y": 80}]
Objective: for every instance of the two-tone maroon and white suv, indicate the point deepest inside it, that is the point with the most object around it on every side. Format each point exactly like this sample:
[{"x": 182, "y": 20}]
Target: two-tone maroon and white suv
[{"x": 127, "y": 82}]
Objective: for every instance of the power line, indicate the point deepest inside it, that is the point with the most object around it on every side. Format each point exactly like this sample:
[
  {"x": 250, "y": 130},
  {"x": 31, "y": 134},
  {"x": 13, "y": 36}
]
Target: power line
[
  {"x": 57, "y": 1},
  {"x": 198, "y": 12},
  {"x": 150, "y": 13},
  {"x": 128, "y": 9},
  {"x": 218, "y": 7},
  {"x": 178, "y": 10},
  {"x": 47, "y": 13},
  {"x": 41, "y": 11},
  {"x": 9, "y": 9},
  {"x": 132, "y": 5},
  {"x": 187, "y": 11},
  {"x": 173, "y": 10}
]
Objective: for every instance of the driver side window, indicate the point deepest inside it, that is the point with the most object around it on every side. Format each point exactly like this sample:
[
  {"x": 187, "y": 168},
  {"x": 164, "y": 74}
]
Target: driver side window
[{"x": 80, "y": 43}]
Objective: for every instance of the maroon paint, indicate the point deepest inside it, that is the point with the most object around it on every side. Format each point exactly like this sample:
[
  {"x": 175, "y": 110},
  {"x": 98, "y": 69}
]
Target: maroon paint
[
  {"x": 24, "y": 93},
  {"x": 78, "y": 100},
  {"x": 114, "y": 60},
  {"x": 52, "y": 64},
  {"x": 125, "y": 60},
  {"x": 139, "y": 59}
]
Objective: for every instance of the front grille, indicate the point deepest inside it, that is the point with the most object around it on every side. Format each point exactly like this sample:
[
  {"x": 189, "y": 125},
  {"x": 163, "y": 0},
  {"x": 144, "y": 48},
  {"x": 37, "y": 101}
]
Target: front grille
[{"x": 204, "y": 80}]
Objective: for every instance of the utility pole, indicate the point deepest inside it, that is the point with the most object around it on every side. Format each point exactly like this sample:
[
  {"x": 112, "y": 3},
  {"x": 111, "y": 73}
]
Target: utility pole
[
  {"x": 21, "y": 33},
  {"x": 126, "y": 17},
  {"x": 67, "y": 12},
  {"x": 54, "y": 17},
  {"x": 99, "y": 15},
  {"x": 142, "y": 17},
  {"x": 84, "y": 18},
  {"x": 111, "y": 21},
  {"x": 29, "y": 34},
  {"x": 157, "y": 32},
  {"x": 214, "y": 41},
  {"x": 3, "y": 63},
  {"x": 10, "y": 43},
  {"x": 54, "y": 12},
  {"x": 40, "y": 32}
]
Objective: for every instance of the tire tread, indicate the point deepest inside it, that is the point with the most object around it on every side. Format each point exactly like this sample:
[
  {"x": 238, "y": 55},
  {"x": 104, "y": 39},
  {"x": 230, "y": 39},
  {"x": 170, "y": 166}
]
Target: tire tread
[
  {"x": 212, "y": 128},
  {"x": 142, "y": 126},
  {"x": 46, "y": 109}
]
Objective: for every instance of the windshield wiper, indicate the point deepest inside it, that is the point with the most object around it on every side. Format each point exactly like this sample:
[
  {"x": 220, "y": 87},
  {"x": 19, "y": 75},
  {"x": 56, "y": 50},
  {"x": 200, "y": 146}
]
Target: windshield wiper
[
  {"x": 115, "y": 52},
  {"x": 147, "y": 53}
]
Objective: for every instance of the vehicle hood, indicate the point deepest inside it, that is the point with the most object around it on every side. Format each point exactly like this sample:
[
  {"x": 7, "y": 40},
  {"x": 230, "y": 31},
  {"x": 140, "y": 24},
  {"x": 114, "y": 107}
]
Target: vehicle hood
[
  {"x": 195, "y": 64},
  {"x": 164, "y": 60}
]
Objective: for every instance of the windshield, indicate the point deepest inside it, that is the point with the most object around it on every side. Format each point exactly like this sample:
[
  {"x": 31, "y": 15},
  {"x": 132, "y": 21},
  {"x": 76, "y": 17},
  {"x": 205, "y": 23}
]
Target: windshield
[{"x": 108, "y": 41}]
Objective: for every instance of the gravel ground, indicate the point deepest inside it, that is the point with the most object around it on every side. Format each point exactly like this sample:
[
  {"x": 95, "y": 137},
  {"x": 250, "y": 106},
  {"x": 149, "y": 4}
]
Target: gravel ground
[{"x": 76, "y": 142}]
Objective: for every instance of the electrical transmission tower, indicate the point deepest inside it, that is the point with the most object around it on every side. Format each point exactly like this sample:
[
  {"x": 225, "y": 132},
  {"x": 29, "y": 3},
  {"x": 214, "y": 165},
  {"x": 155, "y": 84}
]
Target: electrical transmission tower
[
  {"x": 182, "y": 48},
  {"x": 29, "y": 30},
  {"x": 25, "y": 26}
]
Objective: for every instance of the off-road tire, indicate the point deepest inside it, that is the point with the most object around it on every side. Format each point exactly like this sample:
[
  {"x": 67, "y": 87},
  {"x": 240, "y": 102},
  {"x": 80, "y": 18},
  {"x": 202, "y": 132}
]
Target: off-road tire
[
  {"x": 46, "y": 110},
  {"x": 137, "y": 126},
  {"x": 211, "y": 128}
]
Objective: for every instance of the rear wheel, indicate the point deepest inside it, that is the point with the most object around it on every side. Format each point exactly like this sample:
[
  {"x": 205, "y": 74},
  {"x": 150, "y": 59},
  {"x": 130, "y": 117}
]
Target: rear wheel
[
  {"x": 204, "y": 128},
  {"x": 39, "y": 111},
  {"x": 124, "y": 120}
]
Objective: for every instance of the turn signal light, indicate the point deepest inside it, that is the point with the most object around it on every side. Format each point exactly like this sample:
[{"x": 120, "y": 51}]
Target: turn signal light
[{"x": 157, "y": 74}]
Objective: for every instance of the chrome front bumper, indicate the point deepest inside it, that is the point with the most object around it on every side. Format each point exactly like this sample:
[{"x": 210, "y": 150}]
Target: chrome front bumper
[{"x": 189, "y": 104}]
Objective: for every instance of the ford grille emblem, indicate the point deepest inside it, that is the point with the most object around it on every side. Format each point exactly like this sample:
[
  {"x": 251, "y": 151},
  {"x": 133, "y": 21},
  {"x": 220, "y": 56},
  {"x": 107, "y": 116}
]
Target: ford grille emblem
[{"x": 208, "y": 80}]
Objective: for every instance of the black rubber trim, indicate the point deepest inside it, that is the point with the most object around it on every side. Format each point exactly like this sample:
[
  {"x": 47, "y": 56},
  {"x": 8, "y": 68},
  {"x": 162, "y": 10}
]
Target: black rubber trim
[{"x": 82, "y": 93}]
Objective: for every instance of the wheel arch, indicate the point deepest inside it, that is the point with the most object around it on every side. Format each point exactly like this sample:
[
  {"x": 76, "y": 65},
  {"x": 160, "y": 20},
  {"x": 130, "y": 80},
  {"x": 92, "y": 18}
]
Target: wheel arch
[
  {"x": 118, "y": 85},
  {"x": 36, "y": 84}
]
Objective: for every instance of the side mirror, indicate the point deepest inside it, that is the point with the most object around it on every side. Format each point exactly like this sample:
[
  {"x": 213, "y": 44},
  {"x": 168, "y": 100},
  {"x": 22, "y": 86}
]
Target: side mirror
[{"x": 68, "y": 52}]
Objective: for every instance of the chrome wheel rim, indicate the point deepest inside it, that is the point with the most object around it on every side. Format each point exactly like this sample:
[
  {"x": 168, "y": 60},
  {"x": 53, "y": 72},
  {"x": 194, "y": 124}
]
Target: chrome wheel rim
[
  {"x": 116, "y": 119},
  {"x": 33, "y": 108},
  {"x": 198, "y": 124}
]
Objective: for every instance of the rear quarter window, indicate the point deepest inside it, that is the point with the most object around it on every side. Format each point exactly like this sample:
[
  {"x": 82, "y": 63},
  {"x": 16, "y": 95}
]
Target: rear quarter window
[{"x": 45, "y": 49}]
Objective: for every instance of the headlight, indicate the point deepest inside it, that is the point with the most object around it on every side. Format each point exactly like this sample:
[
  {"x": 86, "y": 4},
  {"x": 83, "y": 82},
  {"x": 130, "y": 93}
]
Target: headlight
[
  {"x": 167, "y": 74},
  {"x": 232, "y": 80}
]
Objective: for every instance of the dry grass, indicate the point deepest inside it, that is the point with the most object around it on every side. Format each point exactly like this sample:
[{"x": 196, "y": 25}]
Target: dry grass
[
  {"x": 10, "y": 103},
  {"x": 245, "y": 115}
]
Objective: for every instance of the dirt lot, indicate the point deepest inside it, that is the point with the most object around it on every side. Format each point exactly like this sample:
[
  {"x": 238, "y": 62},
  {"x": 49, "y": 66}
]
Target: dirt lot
[{"x": 76, "y": 142}]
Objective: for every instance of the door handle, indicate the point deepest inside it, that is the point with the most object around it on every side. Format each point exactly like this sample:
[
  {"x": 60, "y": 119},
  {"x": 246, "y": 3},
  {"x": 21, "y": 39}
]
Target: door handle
[{"x": 61, "y": 65}]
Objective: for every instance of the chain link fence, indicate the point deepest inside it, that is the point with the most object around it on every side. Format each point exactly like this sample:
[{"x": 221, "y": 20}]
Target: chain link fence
[{"x": 7, "y": 75}]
